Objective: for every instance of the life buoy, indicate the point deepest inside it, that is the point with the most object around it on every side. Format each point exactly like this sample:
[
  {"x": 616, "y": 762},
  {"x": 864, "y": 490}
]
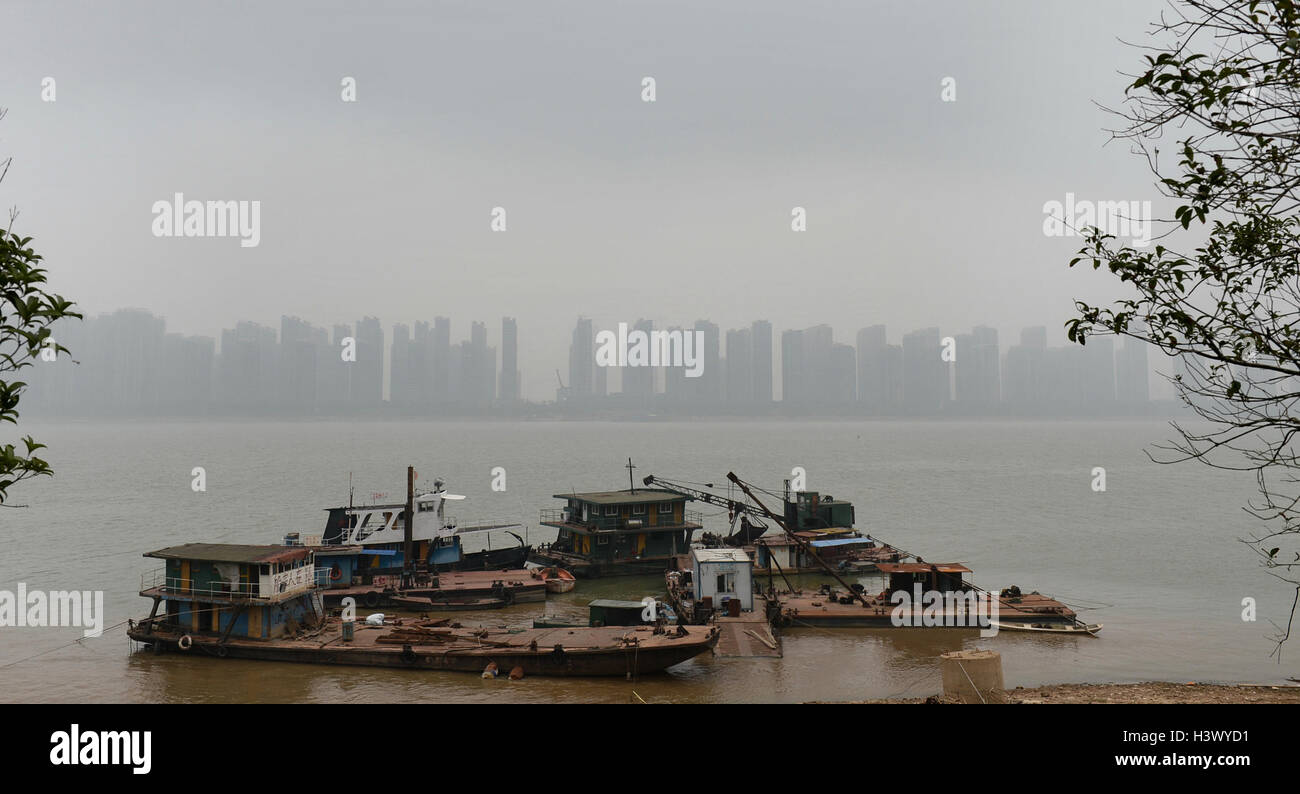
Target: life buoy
[
  {"x": 371, "y": 599},
  {"x": 185, "y": 642},
  {"x": 222, "y": 651},
  {"x": 336, "y": 573},
  {"x": 408, "y": 654}
]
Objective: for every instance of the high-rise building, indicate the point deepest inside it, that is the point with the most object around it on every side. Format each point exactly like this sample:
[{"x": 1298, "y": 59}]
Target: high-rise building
[
  {"x": 299, "y": 358},
  {"x": 441, "y": 362},
  {"x": 760, "y": 337},
  {"x": 842, "y": 385},
  {"x": 509, "y": 360},
  {"x": 582, "y": 361},
  {"x": 792, "y": 368},
  {"x": 400, "y": 381},
  {"x": 873, "y": 385},
  {"x": 478, "y": 371},
  {"x": 817, "y": 369},
  {"x": 1099, "y": 373},
  {"x": 977, "y": 377},
  {"x": 1132, "y": 382},
  {"x": 709, "y": 384},
  {"x": 247, "y": 373},
  {"x": 925, "y": 373},
  {"x": 1023, "y": 385},
  {"x": 368, "y": 370},
  {"x": 739, "y": 367},
  {"x": 639, "y": 381}
]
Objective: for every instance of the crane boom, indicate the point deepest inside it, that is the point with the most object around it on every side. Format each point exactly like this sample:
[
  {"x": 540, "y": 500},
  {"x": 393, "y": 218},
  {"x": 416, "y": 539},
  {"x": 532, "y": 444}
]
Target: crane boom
[
  {"x": 698, "y": 495},
  {"x": 790, "y": 533}
]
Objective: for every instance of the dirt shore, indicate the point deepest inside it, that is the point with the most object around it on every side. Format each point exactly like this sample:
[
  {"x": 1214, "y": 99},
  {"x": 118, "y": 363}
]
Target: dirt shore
[{"x": 1146, "y": 692}]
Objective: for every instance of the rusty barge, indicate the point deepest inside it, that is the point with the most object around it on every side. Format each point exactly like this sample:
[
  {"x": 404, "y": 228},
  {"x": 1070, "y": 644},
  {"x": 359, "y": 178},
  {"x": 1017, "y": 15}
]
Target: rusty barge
[{"x": 264, "y": 602}]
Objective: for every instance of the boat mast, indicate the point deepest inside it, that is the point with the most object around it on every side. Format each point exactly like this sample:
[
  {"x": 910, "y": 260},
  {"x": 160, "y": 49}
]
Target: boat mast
[{"x": 407, "y": 520}]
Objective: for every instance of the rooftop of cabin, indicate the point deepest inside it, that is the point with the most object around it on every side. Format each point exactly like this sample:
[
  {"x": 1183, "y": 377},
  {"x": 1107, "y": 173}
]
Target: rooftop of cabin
[
  {"x": 626, "y": 497},
  {"x": 231, "y": 552},
  {"x": 921, "y": 567}
]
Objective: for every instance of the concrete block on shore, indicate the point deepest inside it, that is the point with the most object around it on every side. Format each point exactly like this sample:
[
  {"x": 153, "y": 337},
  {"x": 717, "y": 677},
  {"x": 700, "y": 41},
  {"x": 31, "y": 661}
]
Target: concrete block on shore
[{"x": 972, "y": 676}]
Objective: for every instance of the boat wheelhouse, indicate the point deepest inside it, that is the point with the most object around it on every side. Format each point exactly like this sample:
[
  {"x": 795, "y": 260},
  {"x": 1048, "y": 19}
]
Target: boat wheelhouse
[{"x": 604, "y": 533}]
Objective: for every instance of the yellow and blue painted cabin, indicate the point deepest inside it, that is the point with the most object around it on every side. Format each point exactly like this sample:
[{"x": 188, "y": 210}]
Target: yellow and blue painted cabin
[{"x": 257, "y": 592}]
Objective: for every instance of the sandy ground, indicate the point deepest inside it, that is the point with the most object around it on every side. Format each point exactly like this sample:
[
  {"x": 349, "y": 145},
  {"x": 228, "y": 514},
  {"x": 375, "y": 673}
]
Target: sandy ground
[{"x": 1147, "y": 692}]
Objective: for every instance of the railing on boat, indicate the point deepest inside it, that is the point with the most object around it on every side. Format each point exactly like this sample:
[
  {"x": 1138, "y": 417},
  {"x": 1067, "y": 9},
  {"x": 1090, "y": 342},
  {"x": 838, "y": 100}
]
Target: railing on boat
[
  {"x": 563, "y": 515},
  {"x": 294, "y": 580}
]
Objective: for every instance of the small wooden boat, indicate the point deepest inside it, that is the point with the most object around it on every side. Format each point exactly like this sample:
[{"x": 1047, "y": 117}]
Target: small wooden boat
[
  {"x": 557, "y": 579},
  {"x": 446, "y": 604},
  {"x": 1050, "y": 628}
]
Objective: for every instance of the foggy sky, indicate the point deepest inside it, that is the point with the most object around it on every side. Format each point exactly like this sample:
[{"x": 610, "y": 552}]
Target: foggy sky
[{"x": 920, "y": 212}]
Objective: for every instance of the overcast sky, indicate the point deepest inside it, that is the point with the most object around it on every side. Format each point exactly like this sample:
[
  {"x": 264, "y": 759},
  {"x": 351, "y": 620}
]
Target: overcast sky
[{"x": 920, "y": 212}]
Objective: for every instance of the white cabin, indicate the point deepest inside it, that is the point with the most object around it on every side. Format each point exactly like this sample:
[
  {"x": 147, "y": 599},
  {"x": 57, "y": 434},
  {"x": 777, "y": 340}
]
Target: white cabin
[{"x": 723, "y": 575}]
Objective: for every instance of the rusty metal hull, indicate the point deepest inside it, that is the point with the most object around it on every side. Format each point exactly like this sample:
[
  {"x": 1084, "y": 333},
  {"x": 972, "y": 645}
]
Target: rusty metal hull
[{"x": 646, "y": 658}]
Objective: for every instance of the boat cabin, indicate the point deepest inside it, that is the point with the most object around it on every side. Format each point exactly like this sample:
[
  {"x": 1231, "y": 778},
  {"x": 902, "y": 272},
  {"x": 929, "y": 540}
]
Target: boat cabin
[
  {"x": 260, "y": 592},
  {"x": 811, "y": 510},
  {"x": 605, "y": 530},
  {"x": 723, "y": 575},
  {"x": 944, "y": 577},
  {"x": 832, "y": 545}
]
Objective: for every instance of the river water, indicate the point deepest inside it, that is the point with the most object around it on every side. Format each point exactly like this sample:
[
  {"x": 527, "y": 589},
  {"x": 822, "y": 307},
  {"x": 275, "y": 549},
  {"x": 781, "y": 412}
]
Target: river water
[{"x": 1154, "y": 557}]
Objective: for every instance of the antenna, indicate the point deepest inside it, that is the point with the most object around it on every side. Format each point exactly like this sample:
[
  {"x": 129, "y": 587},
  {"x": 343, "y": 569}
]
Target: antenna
[{"x": 631, "y": 482}]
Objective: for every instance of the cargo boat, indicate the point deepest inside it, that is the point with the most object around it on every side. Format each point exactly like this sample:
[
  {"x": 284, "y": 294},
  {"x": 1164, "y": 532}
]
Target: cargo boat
[
  {"x": 566, "y": 651},
  {"x": 832, "y": 608},
  {"x": 263, "y": 602},
  {"x": 365, "y": 541},
  {"x": 409, "y": 555}
]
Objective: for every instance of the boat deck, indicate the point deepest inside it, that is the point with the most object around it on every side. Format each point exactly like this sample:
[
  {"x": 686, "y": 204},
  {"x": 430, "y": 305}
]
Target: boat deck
[
  {"x": 438, "y": 644},
  {"x": 819, "y": 609},
  {"x": 520, "y": 583},
  {"x": 747, "y": 636}
]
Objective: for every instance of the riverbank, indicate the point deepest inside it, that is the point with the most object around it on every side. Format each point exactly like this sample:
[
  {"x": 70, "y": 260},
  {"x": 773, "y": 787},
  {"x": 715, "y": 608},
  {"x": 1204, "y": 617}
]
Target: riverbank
[{"x": 1145, "y": 692}]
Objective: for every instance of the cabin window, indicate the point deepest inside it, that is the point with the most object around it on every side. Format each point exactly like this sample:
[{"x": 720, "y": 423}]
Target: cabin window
[
  {"x": 602, "y": 540},
  {"x": 665, "y": 507},
  {"x": 611, "y": 510},
  {"x": 638, "y": 510},
  {"x": 266, "y": 570},
  {"x": 726, "y": 583}
]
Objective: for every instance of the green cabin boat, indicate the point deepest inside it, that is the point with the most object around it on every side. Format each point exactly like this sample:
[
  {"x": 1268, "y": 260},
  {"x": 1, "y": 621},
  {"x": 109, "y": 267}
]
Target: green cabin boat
[{"x": 604, "y": 533}]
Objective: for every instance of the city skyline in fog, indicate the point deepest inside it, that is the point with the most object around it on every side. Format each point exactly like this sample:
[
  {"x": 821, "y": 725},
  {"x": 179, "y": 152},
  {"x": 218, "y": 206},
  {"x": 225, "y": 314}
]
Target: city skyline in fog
[
  {"x": 130, "y": 364},
  {"x": 920, "y": 212}
]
